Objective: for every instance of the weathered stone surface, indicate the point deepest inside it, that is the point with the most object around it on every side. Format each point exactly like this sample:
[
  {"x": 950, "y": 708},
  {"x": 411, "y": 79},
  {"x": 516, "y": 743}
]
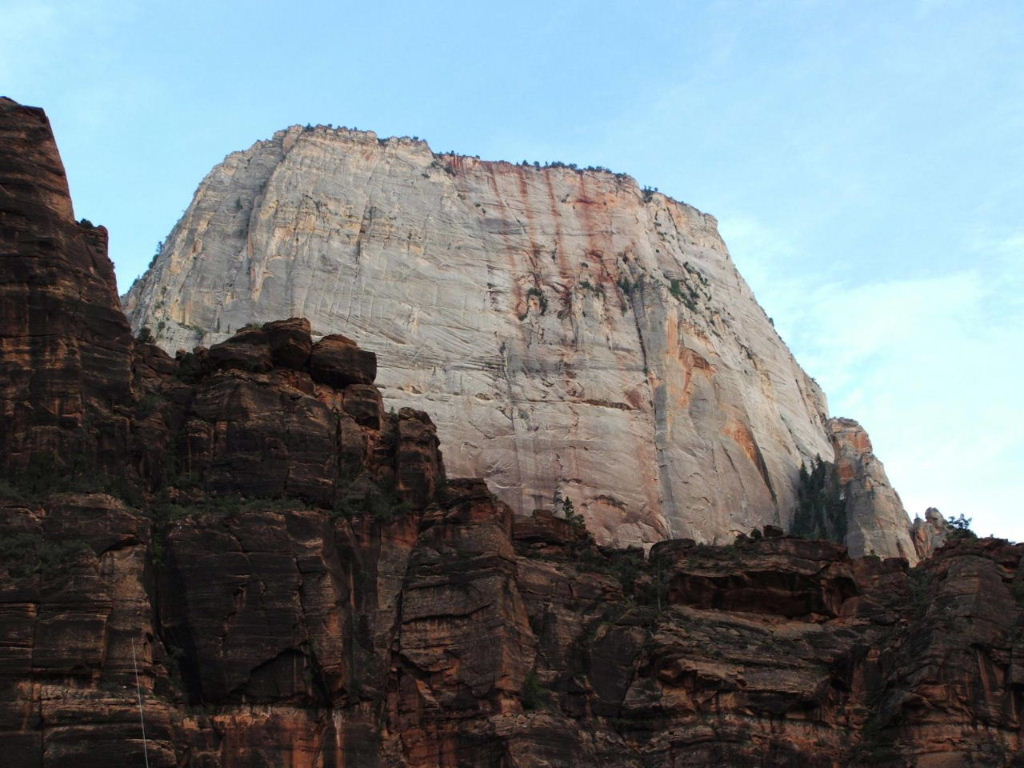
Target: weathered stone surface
[
  {"x": 338, "y": 361},
  {"x": 74, "y": 604},
  {"x": 260, "y": 435},
  {"x": 64, "y": 342},
  {"x": 232, "y": 422},
  {"x": 786, "y": 577},
  {"x": 876, "y": 523},
  {"x": 930, "y": 533},
  {"x": 418, "y": 460},
  {"x": 364, "y": 404},
  {"x": 453, "y": 635},
  {"x": 246, "y": 351},
  {"x": 290, "y": 342},
  {"x": 569, "y": 332}
]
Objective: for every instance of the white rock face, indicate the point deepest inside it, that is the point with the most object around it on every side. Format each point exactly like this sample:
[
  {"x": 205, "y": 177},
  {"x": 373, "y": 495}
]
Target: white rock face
[
  {"x": 876, "y": 523},
  {"x": 930, "y": 533},
  {"x": 569, "y": 333}
]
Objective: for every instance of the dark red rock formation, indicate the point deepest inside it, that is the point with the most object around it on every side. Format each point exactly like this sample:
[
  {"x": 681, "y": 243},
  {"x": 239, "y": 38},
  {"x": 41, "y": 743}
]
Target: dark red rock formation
[
  {"x": 336, "y": 360},
  {"x": 64, "y": 342},
  {"x": 275, "y": 634},
  {"x": 299, "y": 585}
]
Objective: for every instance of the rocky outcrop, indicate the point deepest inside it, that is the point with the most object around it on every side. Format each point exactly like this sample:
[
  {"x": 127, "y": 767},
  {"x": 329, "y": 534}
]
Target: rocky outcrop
[
  {"x": 274, "y": 634},
  {"x": 930, "y": 533},
  {"x": 849, "y": 500},
  {"x": 874, "y": 515},
  {"x": 64, "y": 342},
  {"x": 84, "y": 405},
  {"x": 572, "y": 335}
]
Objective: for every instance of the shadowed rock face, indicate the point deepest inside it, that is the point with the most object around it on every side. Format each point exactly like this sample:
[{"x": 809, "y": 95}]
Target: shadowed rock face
[
  {"x": 237, "y": 419},
  {"x": 64, "y": 342},
  {"x": 457, "y": 635},
  {"x": 356, "y": 609},
  {"x": 268, "y": 412},
  {"x": 569, "y": 333}
]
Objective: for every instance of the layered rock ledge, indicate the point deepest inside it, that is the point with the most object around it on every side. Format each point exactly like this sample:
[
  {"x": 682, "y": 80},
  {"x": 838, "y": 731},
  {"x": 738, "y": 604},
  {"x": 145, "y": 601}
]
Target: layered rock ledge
[{"x": 270, "y": 633}]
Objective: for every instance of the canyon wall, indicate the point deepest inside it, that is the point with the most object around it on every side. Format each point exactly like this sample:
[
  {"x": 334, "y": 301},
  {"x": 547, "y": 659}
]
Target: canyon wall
[
  {"x": 244, "y": 543},
  {"x": 457, "y": 636},
  {"x": 64, "y": 342}
]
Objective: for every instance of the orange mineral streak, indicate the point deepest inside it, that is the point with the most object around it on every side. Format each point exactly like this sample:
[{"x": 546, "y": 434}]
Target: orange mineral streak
[{"x": 742, "y": 435}]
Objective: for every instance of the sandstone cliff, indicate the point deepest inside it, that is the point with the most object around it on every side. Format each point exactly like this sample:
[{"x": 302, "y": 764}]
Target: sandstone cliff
[
  {"x": 64, "y": 342},
  {"x": 354, "y": 608},
  {"x": 874, "y": 515},
  {"x": 930, "y": 533},
  {"x": 571, "y": 334},
  {"x": 453, "y": 635}
]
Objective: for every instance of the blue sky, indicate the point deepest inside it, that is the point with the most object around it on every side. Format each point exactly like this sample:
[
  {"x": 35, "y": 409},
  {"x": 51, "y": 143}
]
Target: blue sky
[{"x": 865, "y": 160}]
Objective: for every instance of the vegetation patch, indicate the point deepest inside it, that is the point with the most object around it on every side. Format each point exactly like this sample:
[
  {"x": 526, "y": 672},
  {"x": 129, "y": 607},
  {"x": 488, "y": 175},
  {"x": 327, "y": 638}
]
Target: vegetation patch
[
  {"x": 166, "y": 511},
  {"x": 692, "y": 289},
  {"x": 27, "y": 554},
  {"x": 46, "y": 475},
  {"x": 960, "y": 529},
  {"x": 820, "y": 511},
  {"x": 535, "y": 694},
  {"x": 384, "y": 504},
  {"x": 574, "y": 518}
]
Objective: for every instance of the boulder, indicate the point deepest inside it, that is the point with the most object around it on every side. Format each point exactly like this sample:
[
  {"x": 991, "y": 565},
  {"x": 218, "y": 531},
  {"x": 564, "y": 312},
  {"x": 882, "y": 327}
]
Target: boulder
[
  {"x": 290, "y": 342},
  {"x": 248, "y": 350},
  {"x": 337, "y": 360}
]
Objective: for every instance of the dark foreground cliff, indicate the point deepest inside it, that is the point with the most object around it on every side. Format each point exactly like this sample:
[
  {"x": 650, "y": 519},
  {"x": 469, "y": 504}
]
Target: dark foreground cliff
[
  {"x": 298, "y": 584},
  {"x": 269, "y": 634}
]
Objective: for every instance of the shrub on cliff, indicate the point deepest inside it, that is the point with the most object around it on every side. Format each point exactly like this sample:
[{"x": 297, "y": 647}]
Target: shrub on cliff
[
  {"x": 960, "y": 528},
  {"x": 535, "y": 694},
  {"x": 820, "y": 511},
  {"x": 26, "y": 554},
  {"x": 45, "y": 474},
  {"x": 574, "y": 518}
]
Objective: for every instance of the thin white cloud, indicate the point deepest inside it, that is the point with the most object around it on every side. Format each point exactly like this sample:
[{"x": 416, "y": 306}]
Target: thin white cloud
[{"x": 930, "y": 366}]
